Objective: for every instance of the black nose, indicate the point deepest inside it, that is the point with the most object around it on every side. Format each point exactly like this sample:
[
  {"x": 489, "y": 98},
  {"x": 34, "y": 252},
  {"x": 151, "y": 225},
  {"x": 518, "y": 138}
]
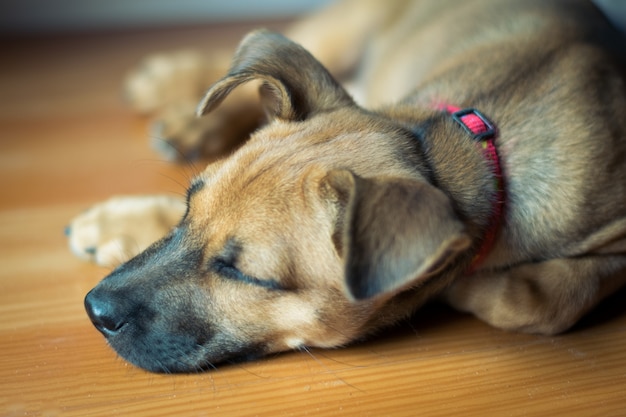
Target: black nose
[{"x": 105, "y": 313}]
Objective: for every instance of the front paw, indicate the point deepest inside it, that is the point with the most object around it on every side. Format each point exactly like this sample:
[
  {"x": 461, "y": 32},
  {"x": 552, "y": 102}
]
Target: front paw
[{"x": 116, "y": 230}]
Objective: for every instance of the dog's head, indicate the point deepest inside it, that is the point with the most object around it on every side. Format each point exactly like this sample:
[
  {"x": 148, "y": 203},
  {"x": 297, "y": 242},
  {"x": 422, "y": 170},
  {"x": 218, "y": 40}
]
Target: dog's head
[{"x": 302, "y": 237}]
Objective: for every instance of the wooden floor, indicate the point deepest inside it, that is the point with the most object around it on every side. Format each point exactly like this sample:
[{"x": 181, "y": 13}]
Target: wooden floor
[{"x": 67, "y": 141}]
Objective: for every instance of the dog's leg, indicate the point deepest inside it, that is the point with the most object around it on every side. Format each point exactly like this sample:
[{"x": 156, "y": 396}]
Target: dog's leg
[
  {"x": 545, "y": 297},
  {"x": 169, "y": 86},
  {"x": 114, "y": 231},
  {"x": 179, "y": 134}
]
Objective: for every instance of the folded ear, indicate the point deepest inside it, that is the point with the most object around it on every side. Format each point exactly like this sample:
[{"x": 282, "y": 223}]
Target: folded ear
[
  {"x": 294, "y": 85},
  {"x": 391, "y": 232}
]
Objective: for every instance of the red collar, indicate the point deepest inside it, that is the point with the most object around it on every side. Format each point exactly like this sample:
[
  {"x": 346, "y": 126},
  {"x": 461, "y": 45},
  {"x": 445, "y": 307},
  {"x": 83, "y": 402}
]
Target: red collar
[{"x": 484, "y": 133}]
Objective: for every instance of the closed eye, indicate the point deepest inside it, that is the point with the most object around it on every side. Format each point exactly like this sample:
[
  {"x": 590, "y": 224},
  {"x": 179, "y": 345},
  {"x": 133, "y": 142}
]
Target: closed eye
[
  {"x": 196, "y": 186},
  {"x": 226, "y": 269}
]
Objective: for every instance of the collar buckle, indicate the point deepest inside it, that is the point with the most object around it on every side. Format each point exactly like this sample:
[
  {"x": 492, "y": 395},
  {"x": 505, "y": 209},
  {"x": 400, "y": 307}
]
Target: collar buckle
[{"x": 474, "y": 123}]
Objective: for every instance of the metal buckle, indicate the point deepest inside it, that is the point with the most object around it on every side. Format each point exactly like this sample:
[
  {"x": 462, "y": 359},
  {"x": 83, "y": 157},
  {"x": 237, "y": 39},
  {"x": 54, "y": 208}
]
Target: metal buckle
[{"x": 490, "y": 132}]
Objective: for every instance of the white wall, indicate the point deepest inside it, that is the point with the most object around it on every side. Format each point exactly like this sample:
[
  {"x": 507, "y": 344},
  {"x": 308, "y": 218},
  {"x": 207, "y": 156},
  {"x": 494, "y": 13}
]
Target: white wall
[{"x": 68, "y": 15}]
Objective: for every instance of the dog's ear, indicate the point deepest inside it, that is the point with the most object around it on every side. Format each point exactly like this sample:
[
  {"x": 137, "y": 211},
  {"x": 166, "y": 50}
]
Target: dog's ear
[
  {"x": 392, "y": 233},
  {"x": 294, "y": 85}
]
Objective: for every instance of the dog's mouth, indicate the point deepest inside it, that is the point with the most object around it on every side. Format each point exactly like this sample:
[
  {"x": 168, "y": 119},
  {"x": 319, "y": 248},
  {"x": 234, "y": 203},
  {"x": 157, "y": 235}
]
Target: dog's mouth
[{"x": 181, "y": 354}]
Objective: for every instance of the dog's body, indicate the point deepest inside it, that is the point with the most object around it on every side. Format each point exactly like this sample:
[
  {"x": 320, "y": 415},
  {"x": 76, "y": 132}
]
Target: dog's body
[{"x": 332, "y": 221}]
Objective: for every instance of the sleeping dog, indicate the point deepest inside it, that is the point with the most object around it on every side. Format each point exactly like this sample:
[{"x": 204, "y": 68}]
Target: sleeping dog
[{"x": 477, "y": 157}]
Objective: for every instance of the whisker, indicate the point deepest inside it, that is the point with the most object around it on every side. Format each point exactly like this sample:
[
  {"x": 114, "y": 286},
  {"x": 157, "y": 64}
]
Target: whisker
[
  {"x": 239, "y": 365},
  {"x": 333, "y": 373},
  {"x": 321, "y": 353},
  {"x": 182, "y": 158}
]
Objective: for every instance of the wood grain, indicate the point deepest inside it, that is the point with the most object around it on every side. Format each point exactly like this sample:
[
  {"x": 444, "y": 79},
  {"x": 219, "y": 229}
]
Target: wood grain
[{"x": 67, "y": 141}]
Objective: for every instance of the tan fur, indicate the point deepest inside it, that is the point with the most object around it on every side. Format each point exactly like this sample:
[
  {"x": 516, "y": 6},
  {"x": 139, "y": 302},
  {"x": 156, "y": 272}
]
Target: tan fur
[{"x": 331, "y": 221}]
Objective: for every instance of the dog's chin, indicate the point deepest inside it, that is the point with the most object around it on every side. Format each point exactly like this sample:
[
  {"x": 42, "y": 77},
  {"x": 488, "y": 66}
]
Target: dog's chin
[{"x": 178, "y": 353}]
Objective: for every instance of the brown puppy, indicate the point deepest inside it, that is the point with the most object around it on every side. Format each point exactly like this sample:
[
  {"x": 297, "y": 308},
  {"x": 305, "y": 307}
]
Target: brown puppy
[{"x": 332, "y": 221}]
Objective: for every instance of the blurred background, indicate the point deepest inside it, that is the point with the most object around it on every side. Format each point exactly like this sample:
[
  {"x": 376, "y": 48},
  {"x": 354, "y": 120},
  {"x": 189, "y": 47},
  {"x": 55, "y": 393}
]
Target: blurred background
[{"x": 44, "y": 16}]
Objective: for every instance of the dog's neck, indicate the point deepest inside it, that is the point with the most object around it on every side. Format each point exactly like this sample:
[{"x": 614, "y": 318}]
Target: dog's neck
[
  {"x": 483, "y": 132},
  {"x": 459, "y": 149}
]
